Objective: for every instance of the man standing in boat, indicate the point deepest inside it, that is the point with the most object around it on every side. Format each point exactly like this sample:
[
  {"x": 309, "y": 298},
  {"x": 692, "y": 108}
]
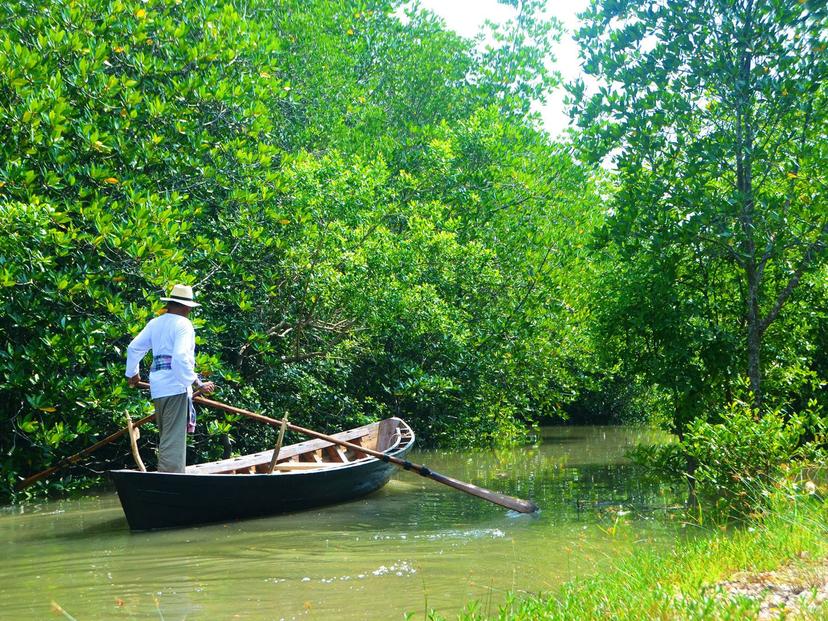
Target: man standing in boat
[{"x": 171, "y": 337}]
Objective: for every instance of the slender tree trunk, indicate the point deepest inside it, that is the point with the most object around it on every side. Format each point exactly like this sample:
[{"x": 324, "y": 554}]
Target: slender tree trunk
[
  {"x": 744, "y": 187},
  {"x": 754, "y": 336}
]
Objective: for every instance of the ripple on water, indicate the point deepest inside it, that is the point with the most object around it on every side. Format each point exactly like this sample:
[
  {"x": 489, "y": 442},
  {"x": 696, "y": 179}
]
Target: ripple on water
[
  {"x": 475, "y": 533},
  {"x": 398, "y": 568}
]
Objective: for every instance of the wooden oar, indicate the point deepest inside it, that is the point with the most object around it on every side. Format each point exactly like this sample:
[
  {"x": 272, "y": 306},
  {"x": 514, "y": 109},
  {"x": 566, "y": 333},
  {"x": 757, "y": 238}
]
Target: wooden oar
[
  {"x": 516, "y": 504},
  {"x": 73, "y": 459}
]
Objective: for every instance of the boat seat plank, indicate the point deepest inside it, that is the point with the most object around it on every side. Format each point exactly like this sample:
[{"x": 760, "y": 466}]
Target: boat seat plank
[
  {"x": 304, "y": 465},
  {"x": 287, "y": 452},
  {"x": 337, "y": 454}
]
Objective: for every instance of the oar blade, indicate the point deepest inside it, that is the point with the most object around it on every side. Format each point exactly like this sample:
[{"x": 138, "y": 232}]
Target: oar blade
[{"x": 510, "y": 502}]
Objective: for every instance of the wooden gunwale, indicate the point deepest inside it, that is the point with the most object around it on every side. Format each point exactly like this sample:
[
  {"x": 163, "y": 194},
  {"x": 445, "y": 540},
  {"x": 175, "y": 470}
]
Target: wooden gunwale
[{"x": 311, "y": 455}]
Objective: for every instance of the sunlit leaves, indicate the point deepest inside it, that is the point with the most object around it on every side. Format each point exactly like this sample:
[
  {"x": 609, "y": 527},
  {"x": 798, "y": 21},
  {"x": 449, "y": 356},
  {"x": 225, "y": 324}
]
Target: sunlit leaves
[{"x": 101, "y": 190}]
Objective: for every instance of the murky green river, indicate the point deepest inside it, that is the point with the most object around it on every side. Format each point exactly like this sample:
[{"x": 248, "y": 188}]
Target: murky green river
[{"x": 413, "y": 546}]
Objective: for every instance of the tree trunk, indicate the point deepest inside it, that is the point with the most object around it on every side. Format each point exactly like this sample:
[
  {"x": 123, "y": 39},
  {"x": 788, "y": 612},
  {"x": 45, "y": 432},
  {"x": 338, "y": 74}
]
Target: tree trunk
[
  {"x": 754, "y": 337},
  {"x": 744, "y": 187}
]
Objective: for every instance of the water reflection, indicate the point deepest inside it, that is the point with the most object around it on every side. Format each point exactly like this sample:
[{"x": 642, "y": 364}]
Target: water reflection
[{"x": 411, "y": 546}]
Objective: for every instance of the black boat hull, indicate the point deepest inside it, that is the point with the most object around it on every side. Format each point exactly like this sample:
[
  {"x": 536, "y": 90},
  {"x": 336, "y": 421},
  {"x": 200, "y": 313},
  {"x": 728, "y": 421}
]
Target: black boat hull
[{"x": 154, "y": 500}]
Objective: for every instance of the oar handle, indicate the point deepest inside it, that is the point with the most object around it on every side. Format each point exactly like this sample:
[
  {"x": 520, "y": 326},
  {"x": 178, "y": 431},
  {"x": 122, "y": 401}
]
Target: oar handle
[
  {"x": 68, "y": 461},
  {"x": 516, "y": 504},
  {"x": 73, "y": 459}
]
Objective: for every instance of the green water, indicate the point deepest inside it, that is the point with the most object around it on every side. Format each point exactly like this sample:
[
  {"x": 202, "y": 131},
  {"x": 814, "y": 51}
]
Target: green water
[{"x": 412, "y": 546}]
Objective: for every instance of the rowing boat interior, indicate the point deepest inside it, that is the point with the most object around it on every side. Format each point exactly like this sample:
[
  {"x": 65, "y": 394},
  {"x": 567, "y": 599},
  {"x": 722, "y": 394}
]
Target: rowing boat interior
[{"x": 313, "y": 455}]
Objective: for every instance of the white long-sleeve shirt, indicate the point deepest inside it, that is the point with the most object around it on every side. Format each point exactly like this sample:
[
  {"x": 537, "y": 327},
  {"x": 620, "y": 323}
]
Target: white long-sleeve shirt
[{"x": 166, "y": 335}]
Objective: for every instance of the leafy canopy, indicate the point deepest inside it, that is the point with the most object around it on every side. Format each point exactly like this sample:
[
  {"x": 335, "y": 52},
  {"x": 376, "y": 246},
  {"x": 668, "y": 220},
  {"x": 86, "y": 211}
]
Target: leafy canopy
[{"x": 371, "y": 216}]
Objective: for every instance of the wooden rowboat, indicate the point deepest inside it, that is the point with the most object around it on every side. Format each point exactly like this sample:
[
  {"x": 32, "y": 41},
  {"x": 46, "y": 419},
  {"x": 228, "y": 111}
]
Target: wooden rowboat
[{"x": 308, "y": 474}]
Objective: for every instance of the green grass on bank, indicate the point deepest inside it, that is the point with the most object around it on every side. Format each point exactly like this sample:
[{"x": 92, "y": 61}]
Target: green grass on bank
[{"x": 681, "y": 584}]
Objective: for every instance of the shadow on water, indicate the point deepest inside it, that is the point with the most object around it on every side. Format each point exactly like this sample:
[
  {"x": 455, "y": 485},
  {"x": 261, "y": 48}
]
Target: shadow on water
[
  {"x": 70, "y": 520},
  {"x": 93, "y": 531}
]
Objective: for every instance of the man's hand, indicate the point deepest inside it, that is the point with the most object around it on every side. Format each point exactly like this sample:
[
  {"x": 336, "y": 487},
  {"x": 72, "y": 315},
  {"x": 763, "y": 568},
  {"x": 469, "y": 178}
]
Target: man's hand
[
  {"x": 133, "y": 381},
  {"x": 207, "y": 388}
]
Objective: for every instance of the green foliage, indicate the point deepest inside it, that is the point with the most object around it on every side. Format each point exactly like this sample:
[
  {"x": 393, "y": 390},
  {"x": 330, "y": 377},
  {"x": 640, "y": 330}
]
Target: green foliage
[
  {"x": 736, "y": 457},
  {"x": 661, "y": 462},
  {"x": 740, "y": 457},
  {"x": 123, "y": 126},
  {"x": 372, "y": 218},
  {"x": 714, "y": 114}
]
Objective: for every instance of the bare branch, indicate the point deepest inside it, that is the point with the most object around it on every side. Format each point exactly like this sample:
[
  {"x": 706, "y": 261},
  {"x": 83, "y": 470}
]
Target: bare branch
[{"x": 813, "y": 249}]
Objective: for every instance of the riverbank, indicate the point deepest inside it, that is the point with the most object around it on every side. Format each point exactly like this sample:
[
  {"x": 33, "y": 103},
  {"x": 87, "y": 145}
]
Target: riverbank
[{"x": 776, "y": 567}]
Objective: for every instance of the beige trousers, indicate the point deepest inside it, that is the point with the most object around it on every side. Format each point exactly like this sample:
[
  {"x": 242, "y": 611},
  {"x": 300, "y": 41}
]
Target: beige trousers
[{"x": 171, "y": 417}]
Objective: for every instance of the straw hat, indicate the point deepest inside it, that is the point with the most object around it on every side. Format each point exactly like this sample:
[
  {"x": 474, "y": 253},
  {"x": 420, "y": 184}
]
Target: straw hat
[{"x": 182, "y": 294}]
